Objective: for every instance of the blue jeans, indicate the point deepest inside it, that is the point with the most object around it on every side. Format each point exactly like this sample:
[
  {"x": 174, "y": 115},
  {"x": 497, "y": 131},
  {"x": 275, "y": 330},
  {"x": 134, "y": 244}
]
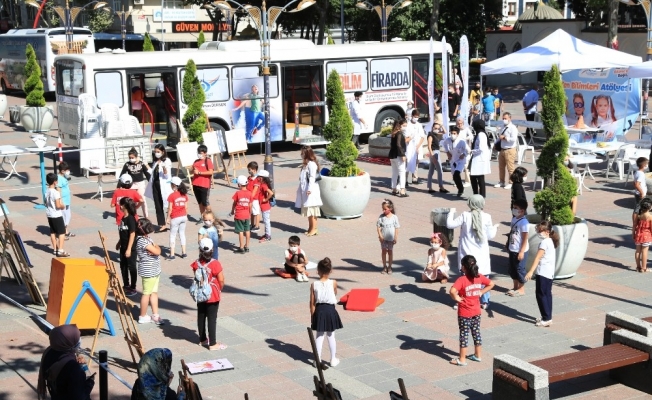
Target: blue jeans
[{"x": 254, "y": 120}]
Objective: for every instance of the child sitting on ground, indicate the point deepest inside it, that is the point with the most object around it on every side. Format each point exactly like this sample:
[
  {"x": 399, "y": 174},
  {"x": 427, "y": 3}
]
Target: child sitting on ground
[
  {"x": 437, "y": 268},
  {"x": 296, "y": 260}
]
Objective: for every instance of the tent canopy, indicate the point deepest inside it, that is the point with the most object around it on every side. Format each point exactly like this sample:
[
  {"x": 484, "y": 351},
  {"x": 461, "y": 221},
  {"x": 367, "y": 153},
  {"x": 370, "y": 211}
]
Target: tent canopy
[
  {"x": 562, "y": 49},
  {"x": 643, "y": 70}
]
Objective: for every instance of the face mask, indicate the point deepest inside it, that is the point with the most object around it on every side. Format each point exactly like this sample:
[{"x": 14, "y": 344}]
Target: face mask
[
  {"x": 158, "y": 155},
  {"x": 208, "y": 223},
  {"x": 294, "y": 249},
  {"x": 506, "y": 121},
  {"x": 453, "y": 137},
  {"x": 66, "y": 174},
  {"x": 200, "y": 156},
  {"x": 387, "y": 212},
  {"x": 132, "y": 160},
  {"x": 403, "y": 129},
  {"x": 415, "y": 120},
  {"x": 524, "y": 178},
  {"x": 252, "y": 173},
  {"x": 516, "y": 212},
  {"x": 543, "y": 236},
  {"x": 435, "y": 246}
]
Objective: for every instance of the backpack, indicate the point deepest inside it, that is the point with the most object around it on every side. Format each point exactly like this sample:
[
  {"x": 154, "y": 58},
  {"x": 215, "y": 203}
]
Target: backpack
[{"x": 201, "y": 289}]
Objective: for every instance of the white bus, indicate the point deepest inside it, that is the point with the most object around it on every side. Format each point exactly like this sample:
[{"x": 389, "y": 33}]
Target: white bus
[
  {"x": 47, "y": 43},
  {"x": 389, "y": 74}
]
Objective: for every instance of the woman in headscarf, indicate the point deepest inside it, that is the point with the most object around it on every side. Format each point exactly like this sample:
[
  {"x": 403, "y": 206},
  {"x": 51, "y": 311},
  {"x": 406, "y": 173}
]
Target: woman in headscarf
[
  {"x": 154, "y": 377},
  {"x": 475, "y": 233},
  {"x": 62, "y": 372}
]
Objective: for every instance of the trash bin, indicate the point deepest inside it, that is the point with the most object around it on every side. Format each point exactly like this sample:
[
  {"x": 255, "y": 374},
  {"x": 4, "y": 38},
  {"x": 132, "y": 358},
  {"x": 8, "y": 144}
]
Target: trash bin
[
  {"x": 438, "y": 218},
  {"x": 14, "y": 114}
]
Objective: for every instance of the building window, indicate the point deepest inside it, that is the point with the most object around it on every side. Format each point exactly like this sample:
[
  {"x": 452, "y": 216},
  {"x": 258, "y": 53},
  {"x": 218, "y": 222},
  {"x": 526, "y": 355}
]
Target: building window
[
  {"x": 173, "y": 4},
  {"x": 517, "y": 47},
  {"x": 511, "y": 9},
  {"x": 117, "y": 5},
  {"x": 530, "y": 4},
  {"x": 502, "y": 50}
]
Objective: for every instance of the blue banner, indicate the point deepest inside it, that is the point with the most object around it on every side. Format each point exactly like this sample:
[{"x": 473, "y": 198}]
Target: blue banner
[{"x": 601, "y": 100}]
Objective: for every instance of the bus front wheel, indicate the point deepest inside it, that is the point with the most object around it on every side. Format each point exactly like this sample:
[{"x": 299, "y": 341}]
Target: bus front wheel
[
  {"x": 386, "y": 118},
  {"x": 217, "y": 127}
]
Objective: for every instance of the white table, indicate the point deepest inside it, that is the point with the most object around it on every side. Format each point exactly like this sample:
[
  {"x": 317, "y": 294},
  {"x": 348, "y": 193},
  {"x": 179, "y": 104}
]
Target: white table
[
  {"x": 8, "y": 151},
  {"x": 100, "y": 172},
  {"x": 593, "y": 148},
  {"x": 584, "y": 159}
]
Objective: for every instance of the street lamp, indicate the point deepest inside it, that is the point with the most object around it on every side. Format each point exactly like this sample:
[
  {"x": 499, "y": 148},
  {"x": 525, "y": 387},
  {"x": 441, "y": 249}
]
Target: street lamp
[
  {"x": 646, "y": 7},
  {"x": 265, "y": 19},
  {"x": 383, "y": 12},
  {"x": 124, "y": 15},
  {"x": 68, "y": 15}
]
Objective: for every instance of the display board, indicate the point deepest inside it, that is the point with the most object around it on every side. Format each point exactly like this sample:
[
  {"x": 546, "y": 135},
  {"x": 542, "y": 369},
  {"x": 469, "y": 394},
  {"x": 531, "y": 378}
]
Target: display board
[
  {"x": 236, "y": 141},
  {"x": 214, "y": 141},
  {"x": 187, "y": 153}
]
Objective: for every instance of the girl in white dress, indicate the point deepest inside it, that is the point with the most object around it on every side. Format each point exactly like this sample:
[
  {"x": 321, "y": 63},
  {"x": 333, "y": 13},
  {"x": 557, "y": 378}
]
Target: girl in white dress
[
  {"x": 323, "y": 314},
  {"x": 308, "y": 195},
  {"x": 437, "y": 267}
]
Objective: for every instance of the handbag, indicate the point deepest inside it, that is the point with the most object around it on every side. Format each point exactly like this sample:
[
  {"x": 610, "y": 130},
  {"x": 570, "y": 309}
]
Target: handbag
[{"x": 497, "y": 145}]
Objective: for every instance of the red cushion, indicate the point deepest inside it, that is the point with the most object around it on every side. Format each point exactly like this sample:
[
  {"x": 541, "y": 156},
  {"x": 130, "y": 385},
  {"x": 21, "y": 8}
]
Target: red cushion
[
  {"x": 362, "y": 300},
  {"x": 285, "y": 275}
]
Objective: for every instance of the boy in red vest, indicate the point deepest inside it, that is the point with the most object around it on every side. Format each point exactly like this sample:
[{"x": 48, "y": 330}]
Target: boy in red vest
[{"x": 241, "y": 211}]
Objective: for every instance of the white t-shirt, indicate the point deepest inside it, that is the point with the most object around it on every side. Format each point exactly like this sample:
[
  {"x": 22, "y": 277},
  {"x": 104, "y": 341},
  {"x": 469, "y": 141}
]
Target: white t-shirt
[
  {"x": 287, "y": 253},
  {"x": 546, "y": 267},
  {"x": 459, "y": 148},
  {"x": 639, "y": 176},
  {"x": 517, "y": 230},
  {"x": 51, "y": 197}
]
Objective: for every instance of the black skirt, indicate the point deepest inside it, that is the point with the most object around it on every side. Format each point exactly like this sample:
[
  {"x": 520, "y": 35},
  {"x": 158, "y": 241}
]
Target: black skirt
[{"x": 326, "y": 318}]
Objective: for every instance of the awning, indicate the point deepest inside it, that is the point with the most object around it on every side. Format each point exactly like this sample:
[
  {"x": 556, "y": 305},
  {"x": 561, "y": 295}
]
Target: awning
[
  {"x": 182, "y": 37},
  {"x": 118, "y": 37}
]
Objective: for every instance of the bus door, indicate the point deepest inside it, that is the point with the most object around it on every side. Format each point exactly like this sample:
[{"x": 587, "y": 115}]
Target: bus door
[{"x": 303, "y": 84}]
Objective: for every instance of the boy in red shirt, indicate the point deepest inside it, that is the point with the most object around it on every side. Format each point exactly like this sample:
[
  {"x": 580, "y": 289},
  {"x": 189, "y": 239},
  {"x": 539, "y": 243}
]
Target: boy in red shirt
[
  {"x": 202, "y": 178},
  {"x": 466, "y": 292},
  {"x": 125, "y": 190},
  {"x": 253, "y": 185},
  {"x": 241, "y": 209},
  {"x": 265, "y": 207}
]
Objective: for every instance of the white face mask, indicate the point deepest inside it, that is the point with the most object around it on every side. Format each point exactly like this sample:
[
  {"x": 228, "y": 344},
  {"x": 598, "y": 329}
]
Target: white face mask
[
  {"x": 294, "y": 249},
  {"x": 524, "y": 178},
  {"x": 66, "y": 174},
  {"x": 516, "y": 212},
  {"x": 435, "y": 246},
  {"x": 200, "y": 156},
  {"x": 403, "y": 129},
  {"x": 505, "y": 121},
  {"x": 208, "y": 223},
  {"x": 543, "y": 236},
  {"x": 158, "y": 155},
  {"x": 415, "y": 120},
  {"x": 453, "y": 137}
]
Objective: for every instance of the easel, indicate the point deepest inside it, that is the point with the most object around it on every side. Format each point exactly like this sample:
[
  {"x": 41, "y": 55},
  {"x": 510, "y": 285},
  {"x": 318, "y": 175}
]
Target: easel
[
  {"x": 403, "y": 396},
  {"x": 323, "y": 390},
  {"x": 123, "y": 306},
  {"x": 186, "y": 382},
  {"x": 9, "y": 241},
  {"x": 237, "y": 160},
  {"x": 183, "y": 139}
]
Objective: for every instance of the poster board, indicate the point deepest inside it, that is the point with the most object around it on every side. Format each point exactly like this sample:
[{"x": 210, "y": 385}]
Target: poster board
[
  {"x": 236, "y": 141},
  {"x": 187, "y": 153},
  {"x": 202, "y": 367},
  {"x": 214, "y": 141}
]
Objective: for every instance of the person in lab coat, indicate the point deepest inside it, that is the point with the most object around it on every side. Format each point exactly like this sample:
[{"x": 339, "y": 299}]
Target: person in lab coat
[{"x": 417, "y": 137}]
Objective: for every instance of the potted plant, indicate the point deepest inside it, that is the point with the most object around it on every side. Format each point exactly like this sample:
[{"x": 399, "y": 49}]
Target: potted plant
[
  {"x": 194, "y": 119},
  {"x": 379, "y": 142},
  {"x": 35, "y": 116},
  {"x": 553, "y": 201},
  {"x": 345, "y": 189}
]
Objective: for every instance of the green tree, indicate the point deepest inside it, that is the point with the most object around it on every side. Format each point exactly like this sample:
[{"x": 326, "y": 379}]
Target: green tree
[
  {"x": 201, "y": 39},
  {"x": 553, "y": 202},
  {"x": 194, "y": 120},
  {"x": 339, "y": 130},
  {"x": 147, "y": 43},
  {"x": 100, "y": 20},
  {"x": 34, "y": 85}
]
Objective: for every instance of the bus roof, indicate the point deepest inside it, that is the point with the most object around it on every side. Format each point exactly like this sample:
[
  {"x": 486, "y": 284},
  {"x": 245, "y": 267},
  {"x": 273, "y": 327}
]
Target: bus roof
[
  {"x": 248, "y": 52},
  {"x": 46, "y": 31}
]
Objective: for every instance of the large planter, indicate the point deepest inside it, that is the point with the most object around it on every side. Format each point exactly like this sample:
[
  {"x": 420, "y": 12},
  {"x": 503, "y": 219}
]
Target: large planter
[
  {"x": 3, "y": 106},
  {"x": 573, "y": 242},
  {"x": 379, "y": 145},
  {"x": 36, "y": 119},
  {"x": 344, "y": 198}
]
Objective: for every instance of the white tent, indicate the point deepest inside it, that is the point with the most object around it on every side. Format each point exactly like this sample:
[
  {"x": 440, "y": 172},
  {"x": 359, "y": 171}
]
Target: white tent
[
  {"x": 562, "y": 49},
  {"x": 643, "y": 70}
]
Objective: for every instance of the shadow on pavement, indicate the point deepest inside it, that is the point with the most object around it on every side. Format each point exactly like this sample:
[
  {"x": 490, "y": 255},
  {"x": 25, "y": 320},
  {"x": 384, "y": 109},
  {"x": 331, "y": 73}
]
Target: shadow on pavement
[
  {"x": 291, "y": 350},
  {"x": 429, "y": 346}
]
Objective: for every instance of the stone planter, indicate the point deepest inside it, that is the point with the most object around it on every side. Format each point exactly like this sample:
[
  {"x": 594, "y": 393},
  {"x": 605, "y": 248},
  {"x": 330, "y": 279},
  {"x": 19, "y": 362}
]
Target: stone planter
[
  {"x": 14, "y": 114},
  {"x": 573, "y": 242},
  {"x": 3, "y": 106},
  {"x": 344, "y": 198},
  {"x": 648, "y": 182},
  {"x": 379, "y": 145},
  {"x": 36, "y": 119}
]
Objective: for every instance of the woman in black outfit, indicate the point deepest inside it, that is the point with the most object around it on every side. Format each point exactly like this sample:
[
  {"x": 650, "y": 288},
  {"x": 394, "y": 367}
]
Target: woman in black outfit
[
  {"x": 517, "y": 178},
  {"x": 140, "y": 174},
  {"x": 159, "y": 187},
  {"x": 397, "y": 157}
]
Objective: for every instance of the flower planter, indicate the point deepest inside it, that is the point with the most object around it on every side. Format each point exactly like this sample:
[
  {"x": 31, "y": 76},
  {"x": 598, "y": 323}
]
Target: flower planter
[
  {"x": 379, "y": 145},
  {"x": 573, "y": 243},
  {"x": 344, "y": 198},
  {"x": 3, "y": 106},
  {"x": 36, "y": 119}
]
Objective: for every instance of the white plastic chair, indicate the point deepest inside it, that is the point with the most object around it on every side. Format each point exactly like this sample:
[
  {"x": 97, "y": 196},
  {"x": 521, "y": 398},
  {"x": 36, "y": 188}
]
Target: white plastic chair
[
  {"x": 133, "y": 128},
  {"x": 623, "y": 156},
  {"x": 116, "y": 129},
  {"x": 110, "y": 112},
  {"x": 523, "y": 147},
  {"x": 89, "y": 116}
]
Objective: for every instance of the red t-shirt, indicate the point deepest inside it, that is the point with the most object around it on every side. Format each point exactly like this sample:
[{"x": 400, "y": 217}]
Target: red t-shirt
[
  {"x": 215, "y": 268},
  {"x": 253, "y": 182},
  {"x": 178, "y": 203},
  {"x": 115, "y": 200},
  {"x": 243, "y": 202},
  {"x": 200, "y": 166},
  {"x": 470, "y": 292},
  {"x": 264, "y": 204}
]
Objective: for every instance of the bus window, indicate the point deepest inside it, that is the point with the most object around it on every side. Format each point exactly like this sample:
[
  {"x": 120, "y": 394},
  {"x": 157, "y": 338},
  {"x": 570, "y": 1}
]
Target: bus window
[
  {"x": 420, "y": 78},
  {"x": 108, "y": 88},
  {"x": 390, "y": 74},
  {"x": 353, "y": 75},
  {"x": 70, "y": 78},
  {"x": 214, "y": 82}
]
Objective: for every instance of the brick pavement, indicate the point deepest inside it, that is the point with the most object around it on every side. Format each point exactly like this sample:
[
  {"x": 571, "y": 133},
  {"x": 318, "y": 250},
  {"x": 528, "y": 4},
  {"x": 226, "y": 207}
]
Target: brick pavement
[{"x": 263, "y": 318}]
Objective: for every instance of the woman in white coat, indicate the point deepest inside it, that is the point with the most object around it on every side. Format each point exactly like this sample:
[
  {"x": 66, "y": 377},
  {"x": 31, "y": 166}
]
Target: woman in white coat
[
  {"x": 475, "y": 233},
  {"x": 414, "y": 136},
  {"x": 158, "y": 189},
  {"x": 308, "y": 195},
  {"x": 480, "y": 158}
]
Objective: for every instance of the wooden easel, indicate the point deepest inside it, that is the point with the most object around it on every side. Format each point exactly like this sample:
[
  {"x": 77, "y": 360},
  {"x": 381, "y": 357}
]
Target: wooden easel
[
  {"x": 403, "y": 396},
  {"x": 183, "y": 139},
  {"x": 237, "y": 160},
  {"x": 9, "y": 242},
  {"x": 323, "y": 390},
  {"x": 186, "y": 382},
  {"x": 123, "y": 306}
]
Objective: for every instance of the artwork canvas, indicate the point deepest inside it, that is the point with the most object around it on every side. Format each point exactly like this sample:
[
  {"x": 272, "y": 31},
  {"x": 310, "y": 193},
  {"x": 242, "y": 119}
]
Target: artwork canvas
[
  {"x": 187, "y": 153},
  {"x": 214, "y": 142},
  {"x": 236, "y": 141},
  {"x": 202, "y": 367}
]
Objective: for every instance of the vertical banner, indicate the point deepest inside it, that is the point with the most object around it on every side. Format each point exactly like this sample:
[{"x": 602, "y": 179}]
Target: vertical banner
[
  {"x": 445, "y": 81},
  {"x": 431, "y": 86},
  {"x": 464, "y": 66},
  {"x": 605, "y": 99}
]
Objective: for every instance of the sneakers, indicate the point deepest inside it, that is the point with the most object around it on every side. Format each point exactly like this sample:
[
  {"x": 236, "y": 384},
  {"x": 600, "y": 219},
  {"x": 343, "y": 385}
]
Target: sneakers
[
  {"x": 264, "y": 239},
  {"x": 335, "y": 362},
  {"x": 484, "y": 306},
  {"x": 509, "y": 186},
  {"x": 144, "y": 319},
  {"x": 156, "y": 319},
  {"x": 442, "y": 190},
  {"x": 255, "y": 229},
  {"x": 246, "y": 249},
  {"x": 239, "y": 251},
  {"x": 129, "y": 292},
  {"x": 543, "y": 324},
  {"x": 467, "y": 184},
  {"x": 302, "y": 278},
  {"x": 184, "y": 255},
  {"x": 497, "y": 185}
]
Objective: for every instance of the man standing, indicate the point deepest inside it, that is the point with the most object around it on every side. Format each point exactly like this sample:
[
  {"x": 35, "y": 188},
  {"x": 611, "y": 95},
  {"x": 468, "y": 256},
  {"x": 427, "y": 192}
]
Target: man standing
[
  {"x": 465, "y": 135},
  {"x": 473, "y": 96},
  {"x": 498, "y": 102},
  {"x": 454, "y": 102},
  {"x": 508, "y": 137},
  {"x": 530, "y": 101},
  {"x": 413, "y": 153},
  {"x": 488, "y": 106},
  {"x": 355, "y": 109}
]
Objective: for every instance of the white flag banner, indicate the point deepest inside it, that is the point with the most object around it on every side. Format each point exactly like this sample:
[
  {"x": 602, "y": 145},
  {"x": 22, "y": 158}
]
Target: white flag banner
[
  {"x": 464, "y": 66},
  {"x": 431, "y": 85},
  {"x": 444, "y": 84}
]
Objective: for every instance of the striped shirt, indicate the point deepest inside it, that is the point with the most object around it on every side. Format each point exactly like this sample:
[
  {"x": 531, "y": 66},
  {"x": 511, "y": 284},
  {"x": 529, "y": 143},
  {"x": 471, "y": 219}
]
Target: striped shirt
[{"x": 149, "y": 265}]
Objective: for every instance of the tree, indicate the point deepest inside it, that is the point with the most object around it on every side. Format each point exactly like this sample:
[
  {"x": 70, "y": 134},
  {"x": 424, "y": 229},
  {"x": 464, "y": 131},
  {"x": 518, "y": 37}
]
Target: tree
[
  {"x": 434, "y": 20},
  {"x": 339, "y": 130},
  {"x": 100, "y": 20},
  {"x": 194, "y": 120},
  {"x": 33, "y": 85},
  {"x": 201, "y": 39},
  {"x": 147, "y": 43}
]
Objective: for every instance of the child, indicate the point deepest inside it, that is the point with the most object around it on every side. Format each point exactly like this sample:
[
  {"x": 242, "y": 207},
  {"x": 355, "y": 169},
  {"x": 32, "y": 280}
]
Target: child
[
  {"x": 62, "y": 182},
  {"x": 387, "y": 227},
  {"x": 265, "y": 207},
  {"x": 517, "y": 245},
  {"x": 202, "y": 178},
  {"x": 207, "y": 310},
  {"x": 544, "y": 263},
  {"x": 241, "y": 209},
  {"x": 642, "y": 234},
  {"x": 437, "y": 267},
  {"x": 212, "y": 229},
  {"x": 125, "y": 190},
  {"x": 296, "y": 260},
  {"x": 149, "y": 270},
  {"x": 466, "y": 291},
  {"x": 177, "y": 215},
  {"x": 518, "y": 177},
  {"x": 640, "y": 186},
  {"x": 602, "y": 111},
  {"x": 323, "y": 314},
  {"x": 53, "y": 210},
  {"x": 126, "y": 245},
  {"x": 253, "y": 185}
]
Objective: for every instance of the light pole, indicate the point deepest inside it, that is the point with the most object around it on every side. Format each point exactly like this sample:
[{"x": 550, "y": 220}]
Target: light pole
[
  {"x": 383, "y": 12},
  {"x": 124, "y": 15},
  {"x": 162, "y": 29},
  {"x": 342, "y": 20},
  {"x": 69, "y": 15},
  {"x": 265, "y": 19},
  {"x": 648, "y": 15}
]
